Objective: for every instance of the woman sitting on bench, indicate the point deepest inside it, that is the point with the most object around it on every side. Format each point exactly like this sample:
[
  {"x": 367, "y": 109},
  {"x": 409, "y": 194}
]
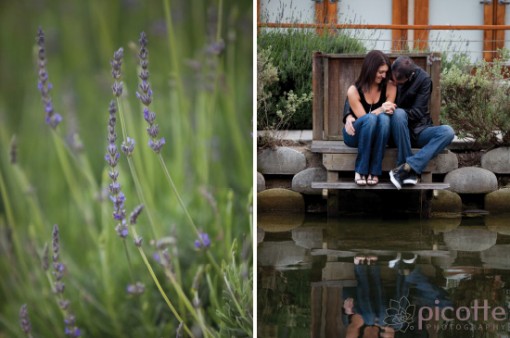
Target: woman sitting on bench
[{"x": 367, "y": 123}]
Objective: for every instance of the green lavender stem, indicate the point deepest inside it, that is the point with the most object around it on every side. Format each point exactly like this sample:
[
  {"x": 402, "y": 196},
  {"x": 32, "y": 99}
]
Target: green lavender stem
[
  {"x": 136, "y": 179},
  {"x": 158, "y": 285},
  {"x": 185, "y": 209}
]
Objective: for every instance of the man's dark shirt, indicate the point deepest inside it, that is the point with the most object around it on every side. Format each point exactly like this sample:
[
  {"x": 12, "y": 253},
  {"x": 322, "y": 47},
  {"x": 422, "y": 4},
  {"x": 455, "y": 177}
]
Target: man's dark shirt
[{"x": 414, "y": 96}]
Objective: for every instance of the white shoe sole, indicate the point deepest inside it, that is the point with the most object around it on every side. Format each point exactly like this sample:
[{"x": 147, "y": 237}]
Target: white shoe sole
[
  {"x": 410, "y": 181},
  {"x": 395, "y": 182},
  {"x": 410, "y": 260}
]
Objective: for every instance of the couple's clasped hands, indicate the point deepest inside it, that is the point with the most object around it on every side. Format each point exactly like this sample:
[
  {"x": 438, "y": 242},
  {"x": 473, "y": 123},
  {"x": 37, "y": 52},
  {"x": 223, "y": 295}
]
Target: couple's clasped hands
[{"x": 387, "y": 108}]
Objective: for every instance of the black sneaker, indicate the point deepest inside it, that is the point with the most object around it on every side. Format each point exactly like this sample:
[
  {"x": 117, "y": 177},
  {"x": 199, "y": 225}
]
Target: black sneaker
[
  {"x": 399, "y": 174},
  {"x": 412, "y": 178}
]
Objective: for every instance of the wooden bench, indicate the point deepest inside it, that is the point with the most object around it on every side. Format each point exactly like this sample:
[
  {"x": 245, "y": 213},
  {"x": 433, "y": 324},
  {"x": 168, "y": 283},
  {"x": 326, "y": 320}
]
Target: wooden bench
[{"x": 332, "y": 76}]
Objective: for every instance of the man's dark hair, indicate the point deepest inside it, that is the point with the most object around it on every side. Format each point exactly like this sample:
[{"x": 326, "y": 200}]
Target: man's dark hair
[{"x": 403, "y": 67}]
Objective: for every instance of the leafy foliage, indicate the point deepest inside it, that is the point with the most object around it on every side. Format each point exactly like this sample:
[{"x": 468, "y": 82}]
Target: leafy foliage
[
  {"x": 476, "y": 100},
  {"x": 291, "y": 53},
  {"x": 236, "y": 311}
]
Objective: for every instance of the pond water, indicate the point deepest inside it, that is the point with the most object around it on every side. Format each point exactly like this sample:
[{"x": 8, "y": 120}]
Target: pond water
[{"x": 452, "y": 278}]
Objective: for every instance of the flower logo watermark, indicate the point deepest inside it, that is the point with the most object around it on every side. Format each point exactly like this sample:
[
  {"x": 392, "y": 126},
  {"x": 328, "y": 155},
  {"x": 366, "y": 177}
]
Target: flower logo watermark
[{"x": 400, "y": 314}]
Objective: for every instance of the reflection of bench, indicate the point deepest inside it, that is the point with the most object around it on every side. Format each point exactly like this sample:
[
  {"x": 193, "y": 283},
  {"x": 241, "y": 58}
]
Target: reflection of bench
[{"x": 332, "y": 76}]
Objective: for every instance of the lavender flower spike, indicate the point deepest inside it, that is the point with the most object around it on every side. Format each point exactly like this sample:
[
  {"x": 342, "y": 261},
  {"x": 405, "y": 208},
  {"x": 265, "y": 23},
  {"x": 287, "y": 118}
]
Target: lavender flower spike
[
  {"x": 128, "y": 146},
  {"x": 112, "y": 158},
  {"x": 24, "y": 321},
  {"x": 59, "y": 287},
  {"x": 52, "y": 118},
  {"x": 116, "y": 71},
  {"x": 145, "y": 96}
]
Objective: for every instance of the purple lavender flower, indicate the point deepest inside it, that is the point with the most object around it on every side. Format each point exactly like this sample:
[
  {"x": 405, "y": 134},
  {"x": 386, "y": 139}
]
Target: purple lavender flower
[
  {"x": 72, "y": 331},
  {"x": 24, "y": 321},
  {"x": 45, "y": 260},
  {"x": 145, "y": 96},
  {"x": 58, "y": 267},
  {"x": 122, "y": 229},
  {"x": 64, "y": 304},
  {"x": 138, "y": 242},
  {"x": 56, "y": 243},
  {"x": 59, "y": 286},
  {"x": 135, "y": 289},
  {"x": 116, "y": 71},
  {"x": 53, "y": 119},
  {"x": 134, "y": 215},
  {"x": 203, "y": 241},
  {"x": 112, "y": 158},
  {"x": 13, "y": 151},
  {"x": 156, "y": 145},
  {"x": 128, "y": 146}
]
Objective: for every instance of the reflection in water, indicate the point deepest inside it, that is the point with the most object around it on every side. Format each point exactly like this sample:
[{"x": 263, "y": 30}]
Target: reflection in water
[{"x": 413, "y": 278}]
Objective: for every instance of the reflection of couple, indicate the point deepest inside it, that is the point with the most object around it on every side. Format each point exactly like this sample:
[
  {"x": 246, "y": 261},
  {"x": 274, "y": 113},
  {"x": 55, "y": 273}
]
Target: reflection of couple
[
  {"x": 371, "y": 314},
  {"x": 392, "y": 100}
]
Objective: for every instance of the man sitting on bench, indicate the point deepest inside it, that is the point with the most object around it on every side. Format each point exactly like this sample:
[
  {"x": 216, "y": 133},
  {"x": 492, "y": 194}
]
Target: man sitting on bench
[{"x": 411, "y": 124}]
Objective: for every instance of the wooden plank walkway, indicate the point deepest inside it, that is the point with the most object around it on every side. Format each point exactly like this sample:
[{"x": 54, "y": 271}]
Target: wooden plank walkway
[
  {"x": 339, "y": 147},
  {"x": 379, "y": 186}
]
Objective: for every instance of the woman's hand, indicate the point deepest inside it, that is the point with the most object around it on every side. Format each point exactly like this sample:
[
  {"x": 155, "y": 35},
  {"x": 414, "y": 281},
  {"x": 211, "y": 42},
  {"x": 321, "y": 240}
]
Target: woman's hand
[
  {"x": 349, "y": 125},
  {"x": 388, "y": 107}
]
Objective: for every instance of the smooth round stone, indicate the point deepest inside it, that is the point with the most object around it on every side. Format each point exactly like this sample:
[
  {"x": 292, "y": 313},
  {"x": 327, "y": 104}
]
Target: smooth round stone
[
  {"x": 261, "y": 182},
  {"x": 471, "y": 180},
  {"x": 281, "y": 161},
  {"x": 441, "y": 225},
  {"x": 280, "y": 221},
  {"x": 497, "y": 160},
  {"x": 279, "y": 199},
  {"x": 470, "y": 239},
  {"x": 446, "y": 162},
  {"x": 445, "y": 201},
  {"x": 281, "y": 254},
  {"x": 302, "y": 181},
  {"x": 498, "y": 201},
  {"x": 499, "y": 223}
]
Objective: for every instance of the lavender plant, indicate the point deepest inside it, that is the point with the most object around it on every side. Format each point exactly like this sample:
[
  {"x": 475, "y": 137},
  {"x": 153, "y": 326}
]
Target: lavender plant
[
  {"x": 24, "y": 321},
  {"x": 134, "y": 264},
  {"x": 145, "y": 96},
  {"x": 52, "y": 118},
  {"x": 58, "y": 271}
]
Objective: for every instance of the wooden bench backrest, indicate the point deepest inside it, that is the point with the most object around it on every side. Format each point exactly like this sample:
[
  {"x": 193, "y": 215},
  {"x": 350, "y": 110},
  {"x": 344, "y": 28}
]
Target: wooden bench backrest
[{"x": 334, "y": 73}]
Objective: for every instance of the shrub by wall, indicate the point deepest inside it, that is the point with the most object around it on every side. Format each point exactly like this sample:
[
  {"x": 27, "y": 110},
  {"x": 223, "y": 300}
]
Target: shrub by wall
[
  {"x": 476, "y": 101},
  {"x": 290, "y": 51}
]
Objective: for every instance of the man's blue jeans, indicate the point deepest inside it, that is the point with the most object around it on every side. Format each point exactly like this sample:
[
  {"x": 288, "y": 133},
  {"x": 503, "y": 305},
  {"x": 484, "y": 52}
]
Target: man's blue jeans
[
  {"x": 432, "y": 140},
  {"x": 424, "y": 292},
  {"x": 371, "y": 137}
]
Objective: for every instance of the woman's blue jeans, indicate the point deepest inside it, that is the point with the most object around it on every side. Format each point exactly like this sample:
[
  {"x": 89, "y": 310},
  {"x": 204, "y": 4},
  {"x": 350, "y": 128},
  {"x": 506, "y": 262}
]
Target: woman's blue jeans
[
  {"x": 371, "y": 138},
  {"x": 432, "y": 140},
  {"x": 370, "y": 300}
]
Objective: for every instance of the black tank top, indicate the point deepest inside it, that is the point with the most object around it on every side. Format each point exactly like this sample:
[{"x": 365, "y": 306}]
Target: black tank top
[{"x": 370, "y": 107}]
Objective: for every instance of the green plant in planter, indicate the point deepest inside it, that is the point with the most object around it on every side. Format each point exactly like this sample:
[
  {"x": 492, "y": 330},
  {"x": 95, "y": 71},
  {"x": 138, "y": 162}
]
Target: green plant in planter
[
  {"x": 271, "y": 118},
  {"x": 291, "y": 51},
  {"x": 476, "y": 101}
]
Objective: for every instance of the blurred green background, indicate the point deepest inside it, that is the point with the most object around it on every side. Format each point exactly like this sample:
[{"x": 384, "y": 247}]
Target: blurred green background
[
  {"x": 81, "y": 38},
  {"x": 203, "y": 104}
]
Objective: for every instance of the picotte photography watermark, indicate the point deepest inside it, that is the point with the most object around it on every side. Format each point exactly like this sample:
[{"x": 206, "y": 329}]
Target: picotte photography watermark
[{"x": 402, "y": 315}]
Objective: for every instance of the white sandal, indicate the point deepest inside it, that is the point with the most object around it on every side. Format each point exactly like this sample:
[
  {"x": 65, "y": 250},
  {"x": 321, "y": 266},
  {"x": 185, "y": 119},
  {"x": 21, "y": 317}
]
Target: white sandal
[{"x": 360, "y": 179}]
